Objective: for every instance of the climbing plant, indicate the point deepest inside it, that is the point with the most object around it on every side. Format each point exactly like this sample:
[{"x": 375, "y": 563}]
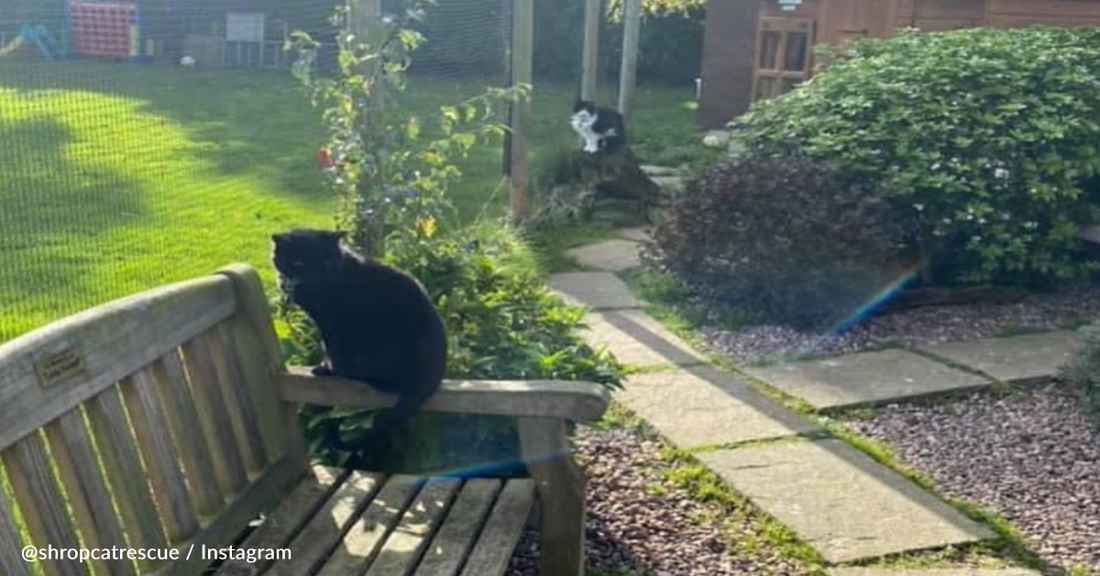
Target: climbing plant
[{"x": 390, "y": 168}]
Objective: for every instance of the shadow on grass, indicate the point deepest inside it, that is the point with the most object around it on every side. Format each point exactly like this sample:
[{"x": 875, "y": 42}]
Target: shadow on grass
[
  {"x": 51, "y": 205},
  {"x": 256, "y": 123}
]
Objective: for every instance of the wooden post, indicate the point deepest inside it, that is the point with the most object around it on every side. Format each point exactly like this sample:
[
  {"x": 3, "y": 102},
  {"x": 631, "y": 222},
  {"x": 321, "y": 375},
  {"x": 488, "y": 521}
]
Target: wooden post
[
  {"x": 364, "y": 21},
  {"x": 628, "y": 77},
  {"x": 546, "y": 452},
  {"x": 364, "y": 17},
  {"x": 590, "y": 60},
  {"x": 523, "y": 48}
]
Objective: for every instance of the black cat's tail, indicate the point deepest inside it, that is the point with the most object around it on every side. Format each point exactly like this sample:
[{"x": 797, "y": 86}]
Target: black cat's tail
[{"x": 386, "y": 422}]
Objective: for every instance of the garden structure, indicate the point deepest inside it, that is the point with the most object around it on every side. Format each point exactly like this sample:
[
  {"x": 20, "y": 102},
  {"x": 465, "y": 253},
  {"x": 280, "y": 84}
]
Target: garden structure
[
  {"x": 758, "y": 49},
  {"x": 181, "y": 393}
]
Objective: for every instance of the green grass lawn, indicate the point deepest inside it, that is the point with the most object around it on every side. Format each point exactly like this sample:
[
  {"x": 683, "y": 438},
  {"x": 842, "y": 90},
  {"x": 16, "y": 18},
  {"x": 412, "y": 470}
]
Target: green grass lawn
[{"x": 115, "y": 178}]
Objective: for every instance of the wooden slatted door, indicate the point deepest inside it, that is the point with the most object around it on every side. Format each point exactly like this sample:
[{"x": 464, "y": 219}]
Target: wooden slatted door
[{"x": 782, "y": 55}]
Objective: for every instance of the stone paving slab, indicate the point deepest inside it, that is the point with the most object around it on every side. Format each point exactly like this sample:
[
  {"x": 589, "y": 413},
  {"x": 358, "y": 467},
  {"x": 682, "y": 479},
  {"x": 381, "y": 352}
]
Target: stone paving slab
[
  {"x": 933, "y": 572},
  {"x": 638, "y": 234},
  {"x": 635, "y": 338},
  {"x": 612, "y": 255},
  {"x": 1030, "y": 359},
  {"x": 668, "y": 182},
  {"x": 840, "y": 501},
  {"x": 867, "y": 378},
  {"x": 594, "y": 289},
  {"x": 703, "y": 406},
  {"x": 651, "y": 170}
]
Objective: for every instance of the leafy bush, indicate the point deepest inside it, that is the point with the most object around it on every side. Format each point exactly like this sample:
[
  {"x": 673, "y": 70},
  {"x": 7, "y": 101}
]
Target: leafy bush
[
  {"x": 785, "y": 241},
  {"x": 988, "y": 140},
  {"x": 1082, "y": 373},
  {"x": 502, "y": 323}
]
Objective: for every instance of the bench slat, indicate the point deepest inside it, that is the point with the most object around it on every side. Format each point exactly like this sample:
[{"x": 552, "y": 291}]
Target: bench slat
[
  {"x": 502, "y": 532},
  {"x": 71, "y": 446},
  {"x": 124, "y": 473},
  {"x": 325, "y": 530},
  {"x": 11, "y": 543},
  {"x": 214, "y": 417},
  {"x": 407, "y": 542},
  {"x": 264, "y": 493},
  {"x": 242, "y": 409},
  {"x": 183, "y": 422},
  {"x": 35, "y": 489},
  {"x": 112, "y": 341},
  {"x": 366, "y": 536},
  {"x": 288, "y": 519},
  {"x": 160, "y": 456},
  {"x": 460, "y": 530}
]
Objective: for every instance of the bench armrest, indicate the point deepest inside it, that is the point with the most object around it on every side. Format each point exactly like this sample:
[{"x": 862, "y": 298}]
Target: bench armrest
[{"x": 567, "y": 400}]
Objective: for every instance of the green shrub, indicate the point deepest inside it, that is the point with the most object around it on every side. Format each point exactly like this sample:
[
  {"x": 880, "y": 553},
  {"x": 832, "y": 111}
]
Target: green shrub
[
  {"x": 502, "y": 323},
  {"x": 1082, "y": 373},
  {"x": 784, "y": 241},
  {"x": 988, "y": 140}
]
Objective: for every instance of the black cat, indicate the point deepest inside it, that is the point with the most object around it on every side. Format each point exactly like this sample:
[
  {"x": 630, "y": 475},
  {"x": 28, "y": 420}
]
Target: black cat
[
  {"x": 377, "y": 323},
  {"x": 602, "y": 129}
]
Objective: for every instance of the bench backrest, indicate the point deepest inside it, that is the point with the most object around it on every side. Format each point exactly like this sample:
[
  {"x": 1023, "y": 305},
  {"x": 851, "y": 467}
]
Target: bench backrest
[{"x": 151, "y": 422}]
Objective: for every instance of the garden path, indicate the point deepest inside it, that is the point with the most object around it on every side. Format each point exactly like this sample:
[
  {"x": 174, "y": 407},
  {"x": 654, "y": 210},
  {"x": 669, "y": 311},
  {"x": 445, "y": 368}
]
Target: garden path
[{"x": 836, "y": 498}]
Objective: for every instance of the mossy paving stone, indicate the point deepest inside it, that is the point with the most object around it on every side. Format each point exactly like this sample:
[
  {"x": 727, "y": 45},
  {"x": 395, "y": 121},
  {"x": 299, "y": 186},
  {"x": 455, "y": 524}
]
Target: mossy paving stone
[
  {"x": 598, "y": 290},
  {"x": 703, "y": 406},
  {"x": 612, "y": 255},
  {"x": 1031, "y": 359},
  {"x": 867, "y": 378},
  {"x": 840, "y": 501}
]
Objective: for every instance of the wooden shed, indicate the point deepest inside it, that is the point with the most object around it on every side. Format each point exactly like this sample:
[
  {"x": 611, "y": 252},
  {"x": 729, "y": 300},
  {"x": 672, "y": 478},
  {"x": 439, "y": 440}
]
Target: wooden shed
[{"x": 757, "y": 49}]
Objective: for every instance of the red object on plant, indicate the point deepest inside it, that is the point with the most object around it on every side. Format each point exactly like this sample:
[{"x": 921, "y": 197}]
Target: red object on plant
[{"x": 324, "y": 158}]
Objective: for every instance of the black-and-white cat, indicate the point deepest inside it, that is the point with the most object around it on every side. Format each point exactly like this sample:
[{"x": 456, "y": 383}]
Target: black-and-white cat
[
  {"x": 602, "y": 129},
  {"x": 377, "y": 323}
]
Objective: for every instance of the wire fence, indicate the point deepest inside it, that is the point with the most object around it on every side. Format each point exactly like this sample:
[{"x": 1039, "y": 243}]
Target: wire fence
[
  {"x": 146, "y": 142},
  {"x": 149, "y": 142}
]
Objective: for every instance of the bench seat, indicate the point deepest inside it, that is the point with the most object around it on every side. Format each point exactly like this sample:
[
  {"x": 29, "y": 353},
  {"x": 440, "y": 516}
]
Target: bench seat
[{"x": 342, "y": 523}]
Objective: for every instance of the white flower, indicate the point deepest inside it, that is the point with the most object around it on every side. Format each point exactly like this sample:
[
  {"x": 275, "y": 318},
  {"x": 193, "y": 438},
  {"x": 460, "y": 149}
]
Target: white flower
[
  {"x": 918, "y": 207},
  {"x": 936, "y": 166},
  {"x": 976, "y": 239},
  {"x": 1000, "y": 173}
]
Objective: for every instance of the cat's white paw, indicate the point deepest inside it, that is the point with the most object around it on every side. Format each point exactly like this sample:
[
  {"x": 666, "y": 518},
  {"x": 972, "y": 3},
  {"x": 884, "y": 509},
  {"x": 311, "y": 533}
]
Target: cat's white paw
[{"x": 591, "y": 147}]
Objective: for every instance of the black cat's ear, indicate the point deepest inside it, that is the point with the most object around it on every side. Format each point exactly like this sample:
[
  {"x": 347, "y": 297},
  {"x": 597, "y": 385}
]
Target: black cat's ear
[{"x": 340, "y": 234}]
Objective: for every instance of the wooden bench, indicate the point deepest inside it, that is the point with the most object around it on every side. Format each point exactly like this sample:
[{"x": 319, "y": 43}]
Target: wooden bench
[{"x": 167, "y": 421}]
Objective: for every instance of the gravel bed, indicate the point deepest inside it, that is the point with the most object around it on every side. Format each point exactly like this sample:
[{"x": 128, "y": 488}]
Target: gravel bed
[
  {"x": 1033, "y": 457},
  {"x": 925, "y": 325},
  {"x": 633, "y": 529}
]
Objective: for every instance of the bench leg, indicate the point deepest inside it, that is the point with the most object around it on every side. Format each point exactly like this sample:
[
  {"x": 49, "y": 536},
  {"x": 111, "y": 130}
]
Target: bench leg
[{"x": 546, "y": 452}]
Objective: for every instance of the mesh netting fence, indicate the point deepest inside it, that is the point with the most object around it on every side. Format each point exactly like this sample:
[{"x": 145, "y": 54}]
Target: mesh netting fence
[
  {"x": 148, "y": 142},
  {"x": 144, "y": 142}
]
